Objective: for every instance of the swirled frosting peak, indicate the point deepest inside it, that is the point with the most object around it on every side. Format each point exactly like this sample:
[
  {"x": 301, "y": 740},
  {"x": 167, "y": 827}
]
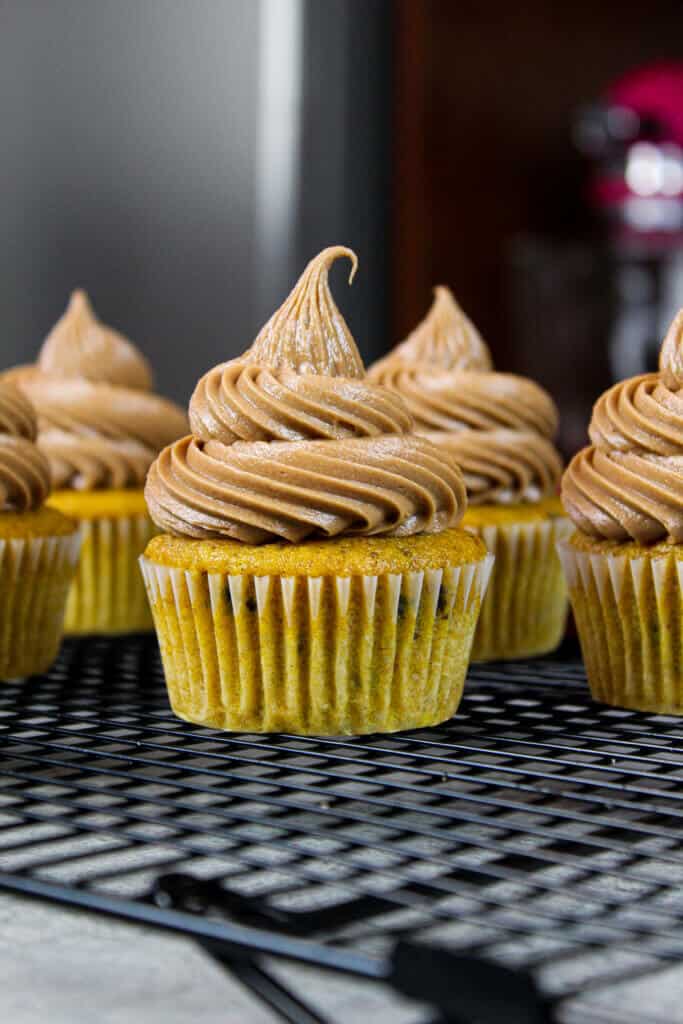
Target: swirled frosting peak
[
  {"x": 671, "y": 355},
  {"x": 308, "y": 334},
  {"x": 292, "y": 441},
  {"x": 498, "y": 426},
  {"x": 98, "y": 423},
  {"x": 80, "y": 346},
  {"x": 446, "y": 339},
  {"x": 24, "y": 470},
  {"x": 628, "y": 484}
]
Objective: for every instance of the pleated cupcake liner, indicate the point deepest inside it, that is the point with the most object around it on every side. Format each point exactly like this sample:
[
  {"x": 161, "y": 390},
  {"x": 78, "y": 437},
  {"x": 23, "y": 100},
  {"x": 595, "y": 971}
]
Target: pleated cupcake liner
[
  {"x": 525, "y": 609},
  {"x": 629, "y": 616},
  {"x": 323, "y": 655},
  {"x": 108, "y": 594},
  {"x": 36, "y": 575}
]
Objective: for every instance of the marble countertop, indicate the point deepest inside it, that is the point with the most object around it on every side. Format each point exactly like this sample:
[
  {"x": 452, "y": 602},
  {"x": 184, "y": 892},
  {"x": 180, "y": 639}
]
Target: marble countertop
[{"x": 64, "y": 967}]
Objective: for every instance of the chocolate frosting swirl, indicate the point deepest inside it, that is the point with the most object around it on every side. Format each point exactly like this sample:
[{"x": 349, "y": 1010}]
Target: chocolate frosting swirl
[
  {"x": 439, "y": 400},
  {"x": 503, "y": 467},
  {"x": 17, "y": 415},
  {"x": 308, "y": 334},
  {"x": 24, "y": 471},
  {"x": 628, "y": 484},
  {"x": 80, "y": 346},
  {"x": 499, "y": 426},
  {"x": 264, "y": 491},
  {"x": 291, "y": 441},
  {"x": 98, "y": 424},
  {"x": 243, "y": 401},
  {"x": 446, "y": 339}
]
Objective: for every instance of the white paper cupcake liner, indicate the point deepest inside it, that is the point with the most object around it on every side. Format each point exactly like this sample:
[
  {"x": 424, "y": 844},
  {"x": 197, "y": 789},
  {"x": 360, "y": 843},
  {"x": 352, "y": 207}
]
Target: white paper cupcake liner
[
  {"x": 629, "y": 615},
  {"x": 108, "y": 593},
  {"x": 36, "y": 574},
  {"x": 321, "y": 655},
  {"x": 524, "y": 612}
]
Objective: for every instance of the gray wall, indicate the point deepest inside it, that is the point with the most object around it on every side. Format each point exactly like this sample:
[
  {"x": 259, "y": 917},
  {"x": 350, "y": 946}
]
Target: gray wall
[
  {"x": 129, "y": 166},
  {"x": 346, "y": 170}
]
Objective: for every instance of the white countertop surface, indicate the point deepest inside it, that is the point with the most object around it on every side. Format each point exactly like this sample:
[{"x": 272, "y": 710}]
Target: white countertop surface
[{"x": 63, "y": 967}]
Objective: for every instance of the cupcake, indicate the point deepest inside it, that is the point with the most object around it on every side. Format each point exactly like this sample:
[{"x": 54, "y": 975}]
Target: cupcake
[
  {"x": 100, "y": 429},
  {"x": 624, "y": 563},
  {"x": 310, "y": 578},
  {"x": 38, "y": 546},
  {"x": 499, "y": 428}
]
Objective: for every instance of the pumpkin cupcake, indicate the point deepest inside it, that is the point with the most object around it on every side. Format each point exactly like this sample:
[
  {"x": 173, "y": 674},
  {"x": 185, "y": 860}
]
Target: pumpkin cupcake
[
  {"x": 100, "y": 428},
  {"x": 624, "y": 563},
  {"x": 499, "y": 428},
  {"x": 310, "y": 578},
  {"x": 38, "y": 546}
]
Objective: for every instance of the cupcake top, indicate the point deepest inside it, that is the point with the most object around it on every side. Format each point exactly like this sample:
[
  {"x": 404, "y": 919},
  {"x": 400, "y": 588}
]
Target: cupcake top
[
  {"x": 98, "y": 423},
  {"x": 292, "y": 441},
  {"x": 498, "y": 426},
  {"x": 24, "y": 470},
  {"x": 446, "y": 339},
  {"x": 628, "y": 484}
]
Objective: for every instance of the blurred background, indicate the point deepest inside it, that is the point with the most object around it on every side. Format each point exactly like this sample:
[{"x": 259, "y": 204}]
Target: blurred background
[{"x": 183, "y": 161}]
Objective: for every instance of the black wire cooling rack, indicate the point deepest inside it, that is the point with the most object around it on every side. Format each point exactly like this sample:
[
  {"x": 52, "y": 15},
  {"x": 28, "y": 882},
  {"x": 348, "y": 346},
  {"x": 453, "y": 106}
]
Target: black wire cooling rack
[{"x": 526, "y": 851}]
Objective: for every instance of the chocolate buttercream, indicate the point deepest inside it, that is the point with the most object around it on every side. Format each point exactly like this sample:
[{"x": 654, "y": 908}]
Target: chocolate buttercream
[
  {"x": 499, "y": 426},
  {"x": 99, "y": 425},
  {"x": 79, "y": 345},
  {"x": 307, "y": 333},
  {"x": 446, "y": 339},
  {"x": 24, "y": 470},
  {"x": 628, "y": 484},
  {"x": 439, "y": 400},
  {"x": 504, "y": 467},
  {"x": 291, "y": 441},
  {"x": 244, "y": 401}
]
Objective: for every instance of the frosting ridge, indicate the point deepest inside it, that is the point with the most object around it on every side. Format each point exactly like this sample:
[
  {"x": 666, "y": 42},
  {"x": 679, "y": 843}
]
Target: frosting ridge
[
  {"x": 80, "y": 346},
  {"x": 671, "y": 354},
  {"x": 499, "y": 426},
  {"x": 24, "y": 470},
  {"x": 307, "y": 333},
  {"x": 628, "y": 483},
  {"x": 440, "y": 400},
  {"x": 244, "y": 401},
  {"x": 292, "y": 441},
  {"x": 504, "y": 467},
  {"x": 446, "y": 338},
  {"x": 99, "y": 424}
]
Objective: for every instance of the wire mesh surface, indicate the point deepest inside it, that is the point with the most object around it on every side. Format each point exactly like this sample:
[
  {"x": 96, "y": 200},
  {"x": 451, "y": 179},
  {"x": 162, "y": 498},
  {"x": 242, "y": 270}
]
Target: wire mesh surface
[{"x": 535, "y": 828}]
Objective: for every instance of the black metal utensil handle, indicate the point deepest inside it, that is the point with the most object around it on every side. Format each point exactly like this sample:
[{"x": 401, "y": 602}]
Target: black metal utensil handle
[{"x": 462, "y": 989}]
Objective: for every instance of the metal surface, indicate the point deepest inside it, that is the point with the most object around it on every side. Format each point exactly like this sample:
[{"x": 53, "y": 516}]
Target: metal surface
[{"x": 536, "y": 830}]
